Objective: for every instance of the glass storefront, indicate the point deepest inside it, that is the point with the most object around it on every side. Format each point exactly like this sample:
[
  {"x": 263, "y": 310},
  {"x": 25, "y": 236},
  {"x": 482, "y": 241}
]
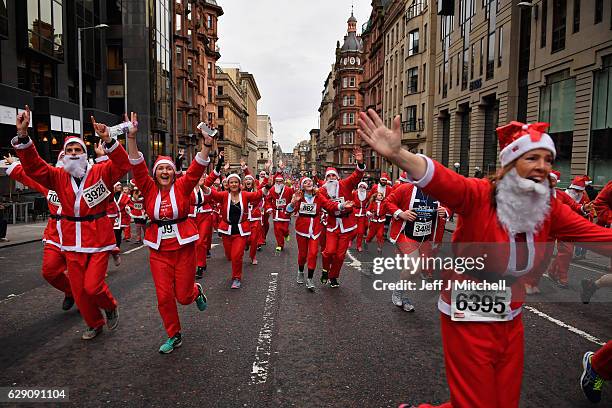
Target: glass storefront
[{"x": 600, "y": 146}]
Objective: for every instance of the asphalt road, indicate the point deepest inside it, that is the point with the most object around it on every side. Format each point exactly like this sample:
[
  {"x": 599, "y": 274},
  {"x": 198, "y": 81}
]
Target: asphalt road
[{"x": 271, "y": 343}]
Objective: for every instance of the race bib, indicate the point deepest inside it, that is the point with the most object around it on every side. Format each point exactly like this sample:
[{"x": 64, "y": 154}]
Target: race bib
[
  {"x": 281, "y": 202},
  {"x": 308, "y": 209},
  {"x": 168, "y": 231},
  {"x": 138, "y": 206},
  {"x": 422, "y": 229},
  {"x": 95, "y": 194},
  {"x": 52, "y": 198},
  {"x": 480, "y": 305},
  {"x": 116, "y": 223}
]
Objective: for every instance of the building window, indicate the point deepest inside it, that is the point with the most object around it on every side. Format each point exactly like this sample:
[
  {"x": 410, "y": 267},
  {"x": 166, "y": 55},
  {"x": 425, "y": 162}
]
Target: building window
[
  {"x": 544, "y": 23},
  {"x": 598, "y": 11},
  {"x": 351, "y": 118},
  {"x": 3, "y": 19},
  {"x": 221, "y": 132},
  {"x": 210, "y": 117},
  {"x": 464, "y": 69},
  {"x": 576, "y": 26},
  {"x": 424, "y": 76},
  {"x": 351, "y": 82},
  {"x": 179, "y": 56},
  {"x": 345, "y": 82},
  {"x": 344, "y": 119},
  {"x": 178, "y": 25},
  {"x": 351, "y": 100},
  {"x": 114, "y": 60},
  {"x": 600, "y": 147},
  {"x": 472, "y": 61},
  {"x": 425, "y": 37},
  {"x": 413, "y": 42},
  {"x": 209, "y": 21},
  {"x": 209, "y": 69},
  {"x": 190, "y": 66},
  {"x": 481, "y": 59},
  {"x": 450, "y": 71},
  {"x": 210, "y": 94},
  {"x": 348, "y": 138},
  {"x": 219, "y": 90},
  {"x": 220, "y": 112},
  {"x": 500, "y": 46},
  {"x": 558, "y": 25},
  {"x": 180, "y": 85},
  {"x": 45, "y": 27},
  {"x": 189, "y": 95},
  {"x": 413, "y": 80},
  {"x": 490, "y": 55},
  {"x": 411, "y": 119}
]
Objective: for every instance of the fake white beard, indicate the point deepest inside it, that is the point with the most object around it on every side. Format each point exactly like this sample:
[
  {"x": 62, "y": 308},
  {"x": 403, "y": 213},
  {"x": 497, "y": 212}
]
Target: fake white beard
[
  {"x": 361, "y": 194},
  {"x": 522, "y": 204},
  {"x": 382, "y": 188},
  {"x": 332, "y": 188},
  {"x": 278, "y": 188},
  {"x": 76, "y": 166},
  {"x": 575, "y": 194}
]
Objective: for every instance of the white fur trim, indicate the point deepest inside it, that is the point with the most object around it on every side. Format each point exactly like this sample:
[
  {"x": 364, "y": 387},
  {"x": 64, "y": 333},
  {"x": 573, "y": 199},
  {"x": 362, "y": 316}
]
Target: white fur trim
[
  {"x": 575, "y": 187},
  {"x": 524, "y": 144},
  {"x": 331, "y": 171},
  {"x": 101, "y": 159},
  {"x": 233, "y": 175},
  {"x": 19, "y": 146},
  {"x": 110, "y": 149},
  {"x": 429, "y": 173},
  {"x": 163, "y": 161},
  {"x": 202, "y": 161},
  {"x": 11, "y": 167},
  {"x": 139, "y": 160}
]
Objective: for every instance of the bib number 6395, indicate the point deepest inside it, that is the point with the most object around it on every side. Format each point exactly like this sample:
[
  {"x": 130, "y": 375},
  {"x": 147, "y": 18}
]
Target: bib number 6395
[{"x": 483, "y": 305}]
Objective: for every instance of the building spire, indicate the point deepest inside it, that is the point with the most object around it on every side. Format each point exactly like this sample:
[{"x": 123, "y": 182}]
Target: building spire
[{"x": 352, "y": 22}]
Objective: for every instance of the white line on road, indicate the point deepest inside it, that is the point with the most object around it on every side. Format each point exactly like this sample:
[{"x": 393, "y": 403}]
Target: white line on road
[
  {"x": 356, "y": 262},
  {"x": 261, "y": 365},
  {"x": 12, "y": 296},
  {"x": 572, "y": 329},
  {"x": 133, "y": 250},
  {"x": 588, "y": 269}
]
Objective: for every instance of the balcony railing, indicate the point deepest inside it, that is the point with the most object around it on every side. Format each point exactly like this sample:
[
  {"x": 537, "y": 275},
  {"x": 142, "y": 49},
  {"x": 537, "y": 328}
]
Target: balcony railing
[{"x": 413, "y": 125}]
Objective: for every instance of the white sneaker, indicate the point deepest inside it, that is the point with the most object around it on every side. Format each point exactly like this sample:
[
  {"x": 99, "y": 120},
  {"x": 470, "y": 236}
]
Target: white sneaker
[
  {"x": 300, "y": 277},
  {"x": 407, "y": 306},
  {"x": 396, "y": 298},
  {"x": 310, "y": 285}
]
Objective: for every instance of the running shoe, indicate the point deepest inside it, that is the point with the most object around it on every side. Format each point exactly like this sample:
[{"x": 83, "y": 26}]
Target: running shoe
[
  {"x": 588, "y": 290},
  {"x": 278, "y": 249},
  {"x": 310, "y": 285},
  {"x": 172, "y": 343},
  {"x": 67, "y": 303},
  {"x": 208, "y": 255},
  {"x": 117, "y": 259},
  {"x": 236, "y": 284},
  {"x": 333, "y": 283},
  {"x": 200, "y": 272},
  {"x": 324, "y": 277},
  {"x": 396, "y": 298},
  {"x": 287, "y": 238},
  {"x": 590, "y": 382},
  {"x": 201, "y": 300},
  {"x": 259, "y": 248},
  {"x": 300, "y": 277},
  {"x": 90, "y": 333},
  {"x": 112, "y": 318},
  {"x": 359, "y": 249},
  {"x": 407, "y": 306},
  {"x": 562, "y": 285},
  {"x": 254, "y": 262}
]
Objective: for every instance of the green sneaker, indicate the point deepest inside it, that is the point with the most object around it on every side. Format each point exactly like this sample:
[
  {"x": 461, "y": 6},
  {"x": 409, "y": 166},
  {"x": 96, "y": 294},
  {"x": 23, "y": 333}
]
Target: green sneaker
[
  {"x": 201, "y": 300},
  {"x": 171, "y": 344}
]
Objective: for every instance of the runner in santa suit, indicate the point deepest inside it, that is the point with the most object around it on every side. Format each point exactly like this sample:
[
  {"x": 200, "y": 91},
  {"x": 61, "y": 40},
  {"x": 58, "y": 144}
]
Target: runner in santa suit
[
  {"x": 308, "y": 204},
  {"x": 84, "y": 229},
  {"x": 267, "y": 207},
  {"x": 234, "y": 226},
  {"x": 341, "y": 225},
  {"x": 360, "y": 198},
  {"x": 172, "y": 235},
  {"x": 597, "y": 369},
  {"x": 255, "y": 212},
  {"x": 381, "y": 187},
  {"x": 127, "y": 231},
  {"x": 483, "y": 347},
  {"x": 138, "y": 214},
  {"x": 377, "y": 214},
  {"x": 54, "y": 260},
  {"x": 557, "y": 271},
  {"x": 122, "y": 220},
  {"x": 201, "y": 212},
  {"x": 280, "y": 196}
]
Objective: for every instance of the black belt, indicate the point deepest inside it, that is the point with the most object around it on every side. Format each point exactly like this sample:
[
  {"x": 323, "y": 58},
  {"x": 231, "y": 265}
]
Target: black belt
[
  {"x": 55, "y": 217},
  {"x": 84, "y": 218},
  {"x": 161, "y": 223},
  {"x": 307, "y": 215}
]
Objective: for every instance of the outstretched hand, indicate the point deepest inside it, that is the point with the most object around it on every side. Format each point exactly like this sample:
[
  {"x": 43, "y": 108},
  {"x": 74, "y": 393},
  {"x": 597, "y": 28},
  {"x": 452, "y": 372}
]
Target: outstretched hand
[
  {"x": 10, "y": 159},
  {"x": 23, "y": 121},
  {"x": 134, "y": 119},
  {"x": 101, "y": 130},
  {"x": 99, "y": 150},
  {"x": 387, "y": 142}
]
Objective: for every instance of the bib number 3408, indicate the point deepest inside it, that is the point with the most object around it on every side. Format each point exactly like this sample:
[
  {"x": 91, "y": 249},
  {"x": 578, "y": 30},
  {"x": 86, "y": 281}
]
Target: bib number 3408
[{"x": 481, "y": 306}]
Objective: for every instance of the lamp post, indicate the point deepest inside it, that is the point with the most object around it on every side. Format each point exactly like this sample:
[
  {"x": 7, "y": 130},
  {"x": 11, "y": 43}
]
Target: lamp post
[
  {"x": 80, "y": 30},
  {"x": 456, "y": 166}
]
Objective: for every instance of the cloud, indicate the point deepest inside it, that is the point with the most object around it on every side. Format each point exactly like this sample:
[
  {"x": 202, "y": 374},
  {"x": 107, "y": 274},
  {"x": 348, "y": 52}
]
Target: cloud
[{"x": 289, "y": 47}]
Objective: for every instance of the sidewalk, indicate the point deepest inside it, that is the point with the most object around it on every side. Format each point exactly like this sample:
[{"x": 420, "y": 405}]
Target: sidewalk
[
  {"x": 592, "y": 260},
  {"x": 24, "y": 233}
]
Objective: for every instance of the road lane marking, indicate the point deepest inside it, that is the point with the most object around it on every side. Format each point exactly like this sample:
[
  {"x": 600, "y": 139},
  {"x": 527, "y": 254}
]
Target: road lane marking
[
  {"x": 261, "y": 364},
  {"x": 589, "y": 269},
  {"x": 356, "y": 262},
  {"x": 572, "y": 329},
  {"x": 12, "y": 296},
  {"x": 133, "y": 250}
]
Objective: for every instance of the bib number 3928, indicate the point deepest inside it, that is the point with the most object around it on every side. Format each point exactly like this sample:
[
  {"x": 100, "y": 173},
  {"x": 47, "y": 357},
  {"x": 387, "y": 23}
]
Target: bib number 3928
[
  {"x": 95, "y": 194},
  {"x": 481, "y": 305}
]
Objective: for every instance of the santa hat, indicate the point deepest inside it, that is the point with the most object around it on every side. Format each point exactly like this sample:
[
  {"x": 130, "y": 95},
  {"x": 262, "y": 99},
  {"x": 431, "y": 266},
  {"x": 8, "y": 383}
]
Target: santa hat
[
  {"x": 331, "y": 170},
  {"x": 362, "y": 183},
  {"x": 302, "y": 180},
  {"x": 587, "y": 180},
  {"x": 516, "y": 139},
  {"x": 118, "y": 184},
  {"x": 163, "y": 160},
  {"x": 74, "y": 139},
  {"x": 263, "y": 174},
  {"x": 234, "y": 175},
  {"x": 279, "y": 177},
  {"x": 556, "y": 175},
  {"x": 384, "y": 176},
  {"x": 404, "y": 177},
  {"x": 578, "y": 183},
  {"x": 248, "y": 176}
]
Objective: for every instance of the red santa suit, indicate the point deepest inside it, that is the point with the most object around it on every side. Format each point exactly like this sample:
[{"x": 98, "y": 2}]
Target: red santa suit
[
  {"x": 361, "y": 207},
  {"x": 376, "y": 212},
  {"x": 234, "y": 225},
  {"x": 139, "y": 217},
  {"x": 603, "y": 206},
  {"x": 341, "y": 225},
  {"x": 308, "y": 226},
  {"x": 54, "y": 260},
  {"x": 382, "y": 187},
  {"x": 278, "y": 202},
  {"x": 201, "y": 211},
  {"x": 484, "y": 354},
  {"x": 256, "y": 214},
  {"x": 122, "y": 219},
  {"x": 266, "y": 211},
  {"x": 84, "y": 229},
  {"x": 171, "y": 237}
]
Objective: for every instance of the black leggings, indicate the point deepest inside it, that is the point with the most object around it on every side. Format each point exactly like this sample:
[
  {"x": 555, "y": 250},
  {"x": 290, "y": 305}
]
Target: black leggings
[{"x": 118, "y": 237}]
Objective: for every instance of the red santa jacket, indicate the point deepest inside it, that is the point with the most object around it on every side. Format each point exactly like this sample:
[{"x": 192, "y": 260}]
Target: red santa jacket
[
  {"x": 122, "y": 204},
  {"x": 309, "y": 211},
  {"x": 176, "y": 226},
  {"x": 50, "y": 235},
  {"x": 224, "y": 199},
  {"x": 278, "y": 203},
  {"x": 201, "y": 203},
  {"x": 567, "y": 200},
  {"x": 361, "y": 206},
  {"x": 377, "y": 211},
  {"x": 137, "y": 208},
  {"x": 345, "y": 220},
  {"x": 84, "y": 226},
  {"x": 471, "y": 199},
  {"x": 376, "y": 188},
  {"x": 256, "y": 210},
  {"x": 603, "y": 206}
]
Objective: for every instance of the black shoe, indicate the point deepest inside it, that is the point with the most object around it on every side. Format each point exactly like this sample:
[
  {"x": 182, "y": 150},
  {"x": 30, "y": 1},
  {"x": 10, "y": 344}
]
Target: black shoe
[
  {"x": 208, "y": 255},
  {"x": 588, "y": 290},
  {"x": 67, "y": 303},
  {"x": 324, "y": 277},
  {"x": 259, "y": 248},
  {"x": 112, "y": 318},
  {"x": 246, "y": 248},
  {"x": 333, "y": 283},
  {"x": 200, "y": 272}
]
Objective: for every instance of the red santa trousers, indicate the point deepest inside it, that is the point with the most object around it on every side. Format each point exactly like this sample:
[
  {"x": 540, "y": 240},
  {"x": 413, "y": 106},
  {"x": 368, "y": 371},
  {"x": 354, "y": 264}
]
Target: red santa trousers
[
  {"x": 174, "y": 281},
  {"x": 558, "y": 269},
  {"x": 54, "y": 269},
  {"x": 484, "y": 363},
  {"x": 308, "y": 250},
  {"x": 602, "y": 361},
  {"x": 281, "y": 230},
  {"x": 204, "y": 222},
  {"x": 377, "y": 229},
  {"x": 362, "y": 226},
  {"x": 255, "y": 239},
  {"x": 407, "y": 246},
  {"x": 336, "y": 245},
  {"x": 234, "y": 251},
  {"x": 127, "y": 232},
  {"x": 266, "y": 224},
  {"x": 86, "y": 273}
]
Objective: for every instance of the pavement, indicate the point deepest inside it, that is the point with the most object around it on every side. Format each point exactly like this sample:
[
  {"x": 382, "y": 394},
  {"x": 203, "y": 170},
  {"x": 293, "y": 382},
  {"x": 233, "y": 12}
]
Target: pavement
[
  {"x": 18, "y": 234},
  {"x": 271, "y": 343}
]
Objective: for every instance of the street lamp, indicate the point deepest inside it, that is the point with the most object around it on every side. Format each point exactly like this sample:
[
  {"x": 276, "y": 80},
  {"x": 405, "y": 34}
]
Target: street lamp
[
  {"x": 80, "y": 30},
  {"x": 457, "y": 165}
]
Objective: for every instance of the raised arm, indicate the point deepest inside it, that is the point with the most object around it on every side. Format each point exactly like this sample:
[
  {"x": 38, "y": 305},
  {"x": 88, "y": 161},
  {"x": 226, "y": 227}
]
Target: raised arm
[
  {"x": 353, "y": 180},
  {"x": 16, "y": 172},
  {"x": 197, "y": 167},
  {"x": 118, "y": 164}
]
